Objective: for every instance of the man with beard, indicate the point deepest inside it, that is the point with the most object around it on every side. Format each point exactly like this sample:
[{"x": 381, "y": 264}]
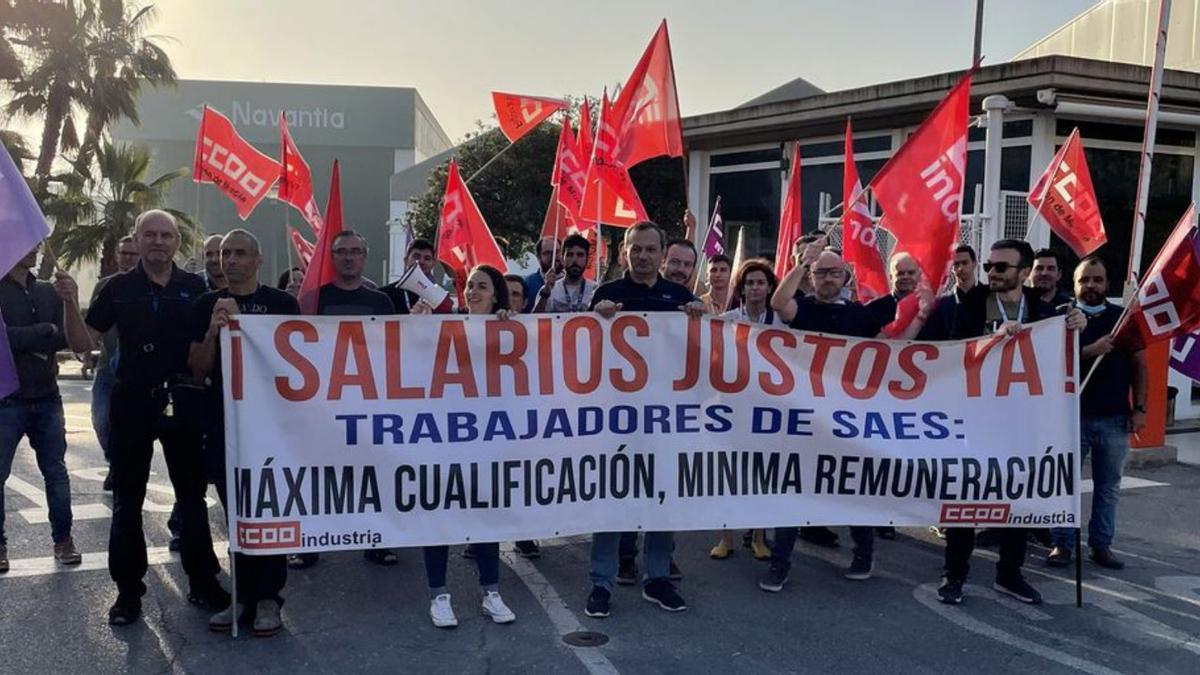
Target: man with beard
[
  {"x": 571, "y": 293},
  {"x": 535, "y": 281},
  {"x": 151, "y": 306},
  {"x": 1105, "y": 416},
  {"x": 642, "y": 289},
  {"x": 259, "y": 578},
  {"x": 825, "y": 311},
  {"x": 1002, "y": 307},
  {"x": 213, "y": 276},
  {"x": 679, "y": 263},
  {"x": 1047, "y": 272}
]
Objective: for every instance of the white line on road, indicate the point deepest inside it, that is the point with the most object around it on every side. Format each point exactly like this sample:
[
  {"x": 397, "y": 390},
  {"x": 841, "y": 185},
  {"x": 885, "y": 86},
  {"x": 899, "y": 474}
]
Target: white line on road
[
  {"x": 27, "y": 490},
  {"x": 39, "y": 567},
  {"x": 563, "y": 619},
  {"x": 1127, "y": 483}
]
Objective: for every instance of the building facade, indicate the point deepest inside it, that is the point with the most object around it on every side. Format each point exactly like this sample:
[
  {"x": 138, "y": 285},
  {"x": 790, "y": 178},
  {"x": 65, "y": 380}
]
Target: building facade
[{"x": 375, "y": 132}]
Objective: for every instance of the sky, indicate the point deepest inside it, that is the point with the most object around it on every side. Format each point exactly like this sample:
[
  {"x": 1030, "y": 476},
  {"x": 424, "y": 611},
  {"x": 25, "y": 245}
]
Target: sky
[{"x": 455, "y": 52}]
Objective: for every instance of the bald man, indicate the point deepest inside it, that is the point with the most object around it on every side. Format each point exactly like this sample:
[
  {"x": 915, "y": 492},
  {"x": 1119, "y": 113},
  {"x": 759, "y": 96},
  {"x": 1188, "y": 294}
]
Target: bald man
[
  {"x": 151, "y": 306},
  {"x": 903, "y": 275},
  {"x": 214, "y": 277}
]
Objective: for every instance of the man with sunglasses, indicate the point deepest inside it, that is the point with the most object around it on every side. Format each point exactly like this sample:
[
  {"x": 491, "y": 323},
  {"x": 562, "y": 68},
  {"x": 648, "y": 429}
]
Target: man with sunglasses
[
  {"x": 1003, "y": 306},
  {"x": 825, "y": 311}
]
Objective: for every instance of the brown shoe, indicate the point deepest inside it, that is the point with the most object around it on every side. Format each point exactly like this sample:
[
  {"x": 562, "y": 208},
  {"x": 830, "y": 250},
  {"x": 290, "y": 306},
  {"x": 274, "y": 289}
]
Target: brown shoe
[
  {"x": 3, "y": 559},
  {"x": 65, "y": 553}
]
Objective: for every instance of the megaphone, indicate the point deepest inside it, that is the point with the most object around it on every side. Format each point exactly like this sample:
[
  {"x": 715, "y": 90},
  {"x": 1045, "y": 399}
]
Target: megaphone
[{"x": 415, "y": 281}]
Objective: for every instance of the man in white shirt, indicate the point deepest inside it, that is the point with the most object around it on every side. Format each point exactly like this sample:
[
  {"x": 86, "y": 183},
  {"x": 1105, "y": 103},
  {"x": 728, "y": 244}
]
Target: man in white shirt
[{"x": 571, "y": 293}]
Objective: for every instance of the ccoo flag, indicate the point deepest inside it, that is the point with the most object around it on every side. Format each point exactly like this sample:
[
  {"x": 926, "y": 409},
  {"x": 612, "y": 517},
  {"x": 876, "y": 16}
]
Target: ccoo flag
[
  {"x": 295, "y": 179},
  {"x": 226, "y": 160},
  {"x": 320, "y": 268},
  {"x": 860, "y": 244},
  {"x": 647, "y": 109},
  {"x": 789, "y": 219},
  {"x": 1064, "y": 196},
  {"x": 1167, "y": 303},
  {"x": 518, "y": 115},
  {"x": 464, "y": 239}
]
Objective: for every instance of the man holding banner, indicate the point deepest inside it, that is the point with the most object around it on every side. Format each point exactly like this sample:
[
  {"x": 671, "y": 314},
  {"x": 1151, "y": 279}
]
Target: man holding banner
[
  {"x": 642, "y": 289},
  {"x": 259, "y": 578}
]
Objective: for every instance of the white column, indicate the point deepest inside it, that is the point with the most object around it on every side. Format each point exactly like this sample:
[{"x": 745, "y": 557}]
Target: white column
[
  {"x": 1040, "y": 154},
  {"x": 994, "y": 107}
]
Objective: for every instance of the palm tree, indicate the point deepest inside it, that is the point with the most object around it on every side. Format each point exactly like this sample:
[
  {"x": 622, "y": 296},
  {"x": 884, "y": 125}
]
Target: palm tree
[{"x": 99, "y": 211}]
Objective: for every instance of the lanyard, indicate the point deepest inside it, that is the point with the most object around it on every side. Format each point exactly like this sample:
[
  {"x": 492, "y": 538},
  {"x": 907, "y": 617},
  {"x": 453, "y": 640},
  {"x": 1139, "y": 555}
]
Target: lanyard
[
  {"x": 577, "y": 302},
  {"x": 1004, "y": 312}
]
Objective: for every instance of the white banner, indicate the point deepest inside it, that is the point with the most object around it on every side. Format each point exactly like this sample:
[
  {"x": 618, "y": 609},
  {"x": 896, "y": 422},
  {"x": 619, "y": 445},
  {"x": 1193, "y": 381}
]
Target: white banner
[{"x": 346, "y": 433}]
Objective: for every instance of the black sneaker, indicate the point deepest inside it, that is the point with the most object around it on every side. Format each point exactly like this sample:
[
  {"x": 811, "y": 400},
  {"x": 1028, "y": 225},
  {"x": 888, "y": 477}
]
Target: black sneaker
[
  {"x": 627, "y": 573},
  {"x": 107, "y": 487},
  {"x": 951, "y": 591},
  {"x": 820, "y": 536},
  {"x": 598, "y": 603},
  {"x": 860, "y": 568},
  {"x": 774, "y": 579},
  {"x": 662, "y": 593},
  {"x": 175, "y": 544},
  {"x": 1059, "y": 557},
  {"x": 673, "y": 572},
  {"x": 124, "y": 611},
  {"x": 381, "y": 556},
  {"x": 1018, "y": 588},
  {"x": 212, "y": 598},
  {"x": 888, "y": 533},
  {"x": 528, "y": 549},
  {"x": 302, "y": 561}
]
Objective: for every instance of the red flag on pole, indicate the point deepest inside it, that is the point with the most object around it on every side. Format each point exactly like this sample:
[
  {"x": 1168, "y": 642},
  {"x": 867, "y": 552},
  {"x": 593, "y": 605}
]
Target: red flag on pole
[
  {"x": 295, "y": 179},
  {"x": 1167, "y": 303},
  {"x": 570, "y": 172},
  {"x": 304, "y": 248},
  {"x": 226, "y": 160},
  {"x": 921, "y": 186},
  {"x": 320, "y": 268},
  {"x": 585, "y": 129},
  {"x": 860, "y": 245},
  {"x": 464, "y": 239},
  {"x": 518, "y": 114},
  {"x": 647, "y": 110},
  {"x": 1064, "y": 196},
  {"x": 610, "y": 196},
  {"x": 789, "y": 219}
]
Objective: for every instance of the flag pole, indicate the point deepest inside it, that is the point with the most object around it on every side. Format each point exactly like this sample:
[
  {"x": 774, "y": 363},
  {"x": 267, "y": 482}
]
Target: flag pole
[
  {"x": 1055, "y": 162},
  {"x": 488, "y": 163},
  {"x": 1148, "y": 138}
]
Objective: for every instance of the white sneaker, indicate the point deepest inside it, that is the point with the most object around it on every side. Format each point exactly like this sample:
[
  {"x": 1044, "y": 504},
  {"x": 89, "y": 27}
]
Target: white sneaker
[
  {"x": 493, "y": 606},
  {"x": 442, "y": 613}
]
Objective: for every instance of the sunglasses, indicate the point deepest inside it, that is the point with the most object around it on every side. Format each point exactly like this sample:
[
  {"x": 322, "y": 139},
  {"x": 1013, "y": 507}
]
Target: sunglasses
[{"x": 999, "y": 267}]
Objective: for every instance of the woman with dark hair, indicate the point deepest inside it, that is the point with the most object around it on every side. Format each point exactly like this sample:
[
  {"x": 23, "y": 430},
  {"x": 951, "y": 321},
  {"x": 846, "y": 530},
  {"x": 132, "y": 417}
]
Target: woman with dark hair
[
  {"x": 753, "y": 285},
  {"x": 290, "y": 281},
  {"x": 486, "y": 293}
]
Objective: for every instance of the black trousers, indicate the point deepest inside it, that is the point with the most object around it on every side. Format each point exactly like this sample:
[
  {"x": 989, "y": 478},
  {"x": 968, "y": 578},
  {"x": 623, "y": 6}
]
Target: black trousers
[
  {"x": 960, "y": 542},
  {"x": 137, "y": 420},
  {"x": 259, "y": 577}
]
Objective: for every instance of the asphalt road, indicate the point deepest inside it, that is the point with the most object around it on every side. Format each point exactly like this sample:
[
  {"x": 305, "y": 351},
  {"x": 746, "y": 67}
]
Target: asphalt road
[{"x": 347, "y": 615}]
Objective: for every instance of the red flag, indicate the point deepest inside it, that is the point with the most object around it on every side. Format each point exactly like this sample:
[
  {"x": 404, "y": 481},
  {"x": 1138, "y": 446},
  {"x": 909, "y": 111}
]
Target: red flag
[
  {"x": 560, "y": 224},
  {"x": 1064, "y": 196},
  {"x": 295, "y": 179},
  {"x": 226, "y": 160},
  {"x": 789, "y": 219},
  {"x": 320, "y": 269},
  {"x": 610, "y": 196},
  {"x": 921, "y": 186},
  {"x": 570, "y": 173},
  {"x": 464, "y": 239},
  {"x": 304, "y": 248},
  {"x": 860, "y": 247},
  {"x": 585, "y": 129},
  {"x": 1167, "y": 303},
  {"x": 518, "y": 114},
  {"x": 647, "y": 111}
]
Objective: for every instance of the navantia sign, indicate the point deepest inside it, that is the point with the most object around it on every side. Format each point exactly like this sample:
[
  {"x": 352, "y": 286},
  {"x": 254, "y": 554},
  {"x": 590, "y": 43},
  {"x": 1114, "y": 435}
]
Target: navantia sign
[{"x": 226, "y": 160}]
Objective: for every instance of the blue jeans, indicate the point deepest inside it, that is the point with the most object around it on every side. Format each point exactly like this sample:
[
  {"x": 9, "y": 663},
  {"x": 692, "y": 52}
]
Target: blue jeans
[
  {"x": 656, "y": 557},
  {"x": 42, "y": 422},
  {"x": 101, "y": 395},
  {"x": 785, "y": 543},
  {"x": 487, "y": 555},
  {"x": 1107, "y": 440}
]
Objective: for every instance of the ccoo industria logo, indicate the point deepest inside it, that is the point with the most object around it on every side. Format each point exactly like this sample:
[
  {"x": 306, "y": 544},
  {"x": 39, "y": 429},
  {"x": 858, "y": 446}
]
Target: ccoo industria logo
[{"x": 246, "y": 113}]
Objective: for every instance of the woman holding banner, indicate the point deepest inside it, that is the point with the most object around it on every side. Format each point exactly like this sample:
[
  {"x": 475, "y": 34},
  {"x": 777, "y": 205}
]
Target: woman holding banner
[
  {"x": 486, "y": 293},
  {"x": 753, "y": 284}
]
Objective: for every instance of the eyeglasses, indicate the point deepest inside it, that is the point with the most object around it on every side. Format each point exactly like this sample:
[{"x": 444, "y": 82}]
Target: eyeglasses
[
  {"x": 346, "y": 252},
  {"x": 999, "y": 267},
  {"x": 828, "y": 272}
]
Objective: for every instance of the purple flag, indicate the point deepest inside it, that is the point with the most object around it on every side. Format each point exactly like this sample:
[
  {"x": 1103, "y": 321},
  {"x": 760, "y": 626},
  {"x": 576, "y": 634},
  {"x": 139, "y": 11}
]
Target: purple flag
[
  {"x": 22, "y": 226},
  {"x": 1185, "y": 355},
  {"x": 714, "y": 241}
]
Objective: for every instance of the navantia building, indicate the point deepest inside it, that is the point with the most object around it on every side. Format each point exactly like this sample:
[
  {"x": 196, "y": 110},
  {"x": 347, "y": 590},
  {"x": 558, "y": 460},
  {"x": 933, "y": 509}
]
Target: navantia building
[{"x": 375, "y": 132}]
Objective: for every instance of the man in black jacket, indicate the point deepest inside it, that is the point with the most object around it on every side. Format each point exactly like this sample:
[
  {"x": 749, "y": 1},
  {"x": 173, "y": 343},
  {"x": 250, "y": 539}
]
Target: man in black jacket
[{"x": 1003, "y": 306}]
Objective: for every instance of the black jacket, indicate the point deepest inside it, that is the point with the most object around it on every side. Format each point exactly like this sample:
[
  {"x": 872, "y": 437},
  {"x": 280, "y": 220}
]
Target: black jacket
[
  {"x": 970, "y": 318},
  {"x": 33, "y": 315}
]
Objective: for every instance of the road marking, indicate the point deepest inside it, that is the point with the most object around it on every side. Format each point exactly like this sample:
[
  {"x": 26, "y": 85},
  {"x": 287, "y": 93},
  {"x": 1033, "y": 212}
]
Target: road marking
[
  {"x": 560, "y": 616},
  {"x": 926, "y": 594},
  {"x": 1127, "y": 483},
  {"x": 43, "y": 566},
  {"x": 40, "y": 516}
]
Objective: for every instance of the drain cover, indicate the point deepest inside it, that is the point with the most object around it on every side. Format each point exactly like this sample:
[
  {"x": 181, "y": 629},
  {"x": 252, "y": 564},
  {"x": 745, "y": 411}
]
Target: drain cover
[{"x": 585, "y": 638}]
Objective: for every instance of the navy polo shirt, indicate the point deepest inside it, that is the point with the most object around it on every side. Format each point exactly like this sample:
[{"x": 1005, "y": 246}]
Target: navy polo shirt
[
  {"x": 835, "y": 318},
  {"x": 1107, "y": 393},
  {"x": 663, "y": 296},
  {"x": 153, "y": 324}
]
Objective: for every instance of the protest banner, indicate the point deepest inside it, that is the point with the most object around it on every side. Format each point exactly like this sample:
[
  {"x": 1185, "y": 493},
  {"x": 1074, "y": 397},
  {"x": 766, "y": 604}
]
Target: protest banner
[{"x": 347, "y": 433}]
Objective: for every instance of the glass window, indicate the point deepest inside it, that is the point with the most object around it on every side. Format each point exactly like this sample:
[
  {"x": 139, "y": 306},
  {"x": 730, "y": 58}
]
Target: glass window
[
  {"x": 750, "y": 204},
  {"x": 748, "y": 157},
  {"x": 838, "y": 148},
  {"x": 1129, "y": 133}
]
